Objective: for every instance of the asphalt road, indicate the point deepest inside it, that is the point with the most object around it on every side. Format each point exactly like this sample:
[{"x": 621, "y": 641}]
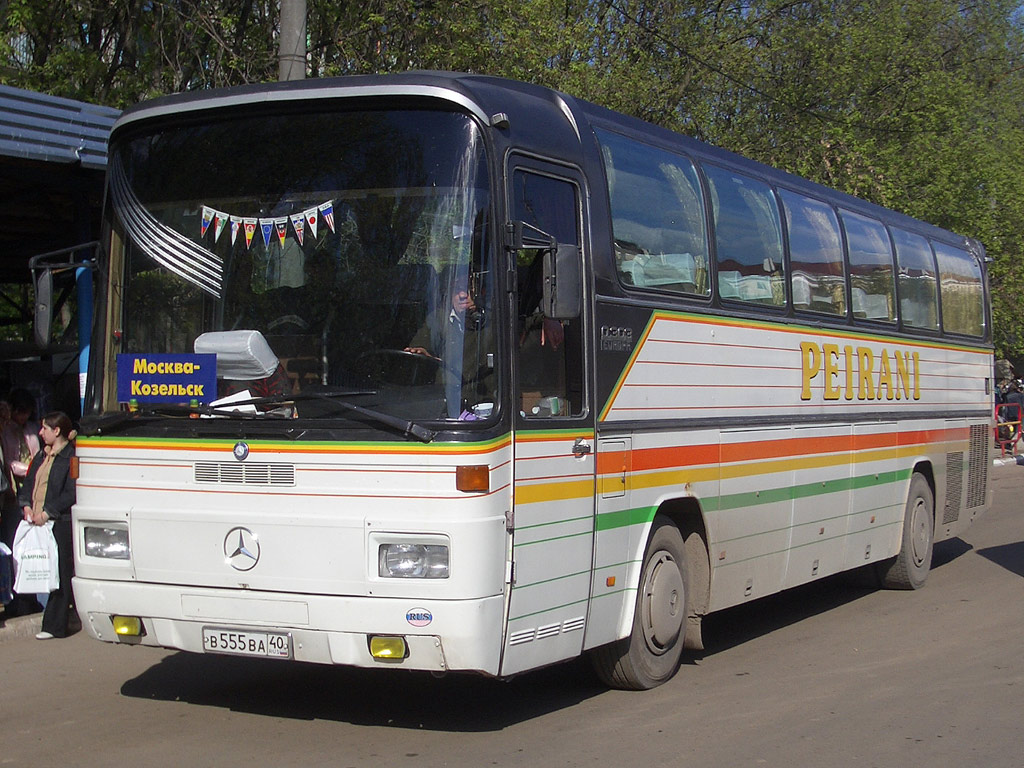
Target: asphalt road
[{"x": 825, "y": 675}]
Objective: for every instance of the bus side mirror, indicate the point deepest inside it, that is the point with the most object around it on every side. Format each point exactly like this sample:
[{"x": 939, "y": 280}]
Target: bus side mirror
[
  {"x": 563, "y": 286},
  {"x": 43, "y": 316},
  {"x": 563, "y": 278}
]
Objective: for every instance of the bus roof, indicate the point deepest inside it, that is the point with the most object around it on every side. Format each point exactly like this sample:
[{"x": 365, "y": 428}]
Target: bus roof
[{"x": 538, "y": 112}]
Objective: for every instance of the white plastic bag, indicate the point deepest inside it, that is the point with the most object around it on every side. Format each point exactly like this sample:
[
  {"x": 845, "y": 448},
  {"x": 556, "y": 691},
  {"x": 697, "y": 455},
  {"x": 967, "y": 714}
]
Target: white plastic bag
[{"x": 35, "y": 559}]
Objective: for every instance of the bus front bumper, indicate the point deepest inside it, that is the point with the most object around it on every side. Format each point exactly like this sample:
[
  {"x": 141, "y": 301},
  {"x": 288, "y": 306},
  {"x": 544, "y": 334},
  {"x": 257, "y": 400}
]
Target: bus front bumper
[{"x": 437, "y": 635}]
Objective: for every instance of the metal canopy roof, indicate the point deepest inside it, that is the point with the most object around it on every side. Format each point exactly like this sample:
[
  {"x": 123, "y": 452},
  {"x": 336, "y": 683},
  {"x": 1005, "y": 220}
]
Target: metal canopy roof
[
  {"x": 35, "y": 126},
  {"x": 53, "y": 154}
]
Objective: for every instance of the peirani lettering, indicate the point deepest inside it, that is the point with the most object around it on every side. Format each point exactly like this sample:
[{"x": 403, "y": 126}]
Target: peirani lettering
[{"x": 858, "y": 373}]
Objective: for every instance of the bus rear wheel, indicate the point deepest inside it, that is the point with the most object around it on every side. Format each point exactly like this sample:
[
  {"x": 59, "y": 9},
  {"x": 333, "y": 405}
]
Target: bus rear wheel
[
  {"x": 650, "y": 655},
  {"x": 909, "y": 569}
]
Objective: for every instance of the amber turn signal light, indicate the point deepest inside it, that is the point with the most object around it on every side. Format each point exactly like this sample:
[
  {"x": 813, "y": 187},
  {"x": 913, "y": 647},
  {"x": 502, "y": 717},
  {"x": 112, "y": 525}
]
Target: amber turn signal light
[{"x": 475, "y": 478}]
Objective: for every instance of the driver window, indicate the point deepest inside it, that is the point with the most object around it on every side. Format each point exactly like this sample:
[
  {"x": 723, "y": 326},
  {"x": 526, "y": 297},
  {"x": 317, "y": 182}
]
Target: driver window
[{"x": 550, "y": 363}]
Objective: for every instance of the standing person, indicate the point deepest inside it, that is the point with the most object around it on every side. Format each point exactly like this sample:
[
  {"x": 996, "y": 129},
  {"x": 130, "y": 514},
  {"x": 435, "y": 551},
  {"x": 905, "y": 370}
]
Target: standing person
[
  {"x": 20, "y": 435},
  {"x": 48, "y": 494},
  {"x": 20, "y": 442}
]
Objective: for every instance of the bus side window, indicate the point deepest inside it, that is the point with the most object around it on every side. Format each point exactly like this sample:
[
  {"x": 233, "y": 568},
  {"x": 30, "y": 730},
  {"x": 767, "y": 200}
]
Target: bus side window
[
  {"x": 873, "y": 293},
  {"x": 748, "y": 236},
  {"x": 815, "y": 255},
  {"x": 961, "y": 290},
  {"x": 918, "y": 282},
  {"x": 664, "y": 245}
]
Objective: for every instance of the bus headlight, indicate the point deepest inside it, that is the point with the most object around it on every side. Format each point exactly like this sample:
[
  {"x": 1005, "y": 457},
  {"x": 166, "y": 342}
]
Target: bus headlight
[
  {"x": 110, "y": 543},
  {"x": 407, "y": 560}
]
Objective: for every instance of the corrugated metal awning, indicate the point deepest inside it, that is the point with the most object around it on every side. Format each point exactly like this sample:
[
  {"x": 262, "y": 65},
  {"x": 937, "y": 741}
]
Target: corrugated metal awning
[{"x": 35, "y": 126}]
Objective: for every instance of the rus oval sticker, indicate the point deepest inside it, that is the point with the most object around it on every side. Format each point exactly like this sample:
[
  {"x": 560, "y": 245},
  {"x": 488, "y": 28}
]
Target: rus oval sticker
[{"x": 419, "y": 617}]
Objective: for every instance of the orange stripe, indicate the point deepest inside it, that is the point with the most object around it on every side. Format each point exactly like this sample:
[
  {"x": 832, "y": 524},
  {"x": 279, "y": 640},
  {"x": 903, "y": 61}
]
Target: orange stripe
[{"x": 694, "y": 455}]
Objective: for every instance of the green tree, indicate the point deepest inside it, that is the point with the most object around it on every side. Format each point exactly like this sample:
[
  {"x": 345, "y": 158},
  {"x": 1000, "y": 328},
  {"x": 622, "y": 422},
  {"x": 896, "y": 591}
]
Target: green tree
[{"x": 915, "y": 106}]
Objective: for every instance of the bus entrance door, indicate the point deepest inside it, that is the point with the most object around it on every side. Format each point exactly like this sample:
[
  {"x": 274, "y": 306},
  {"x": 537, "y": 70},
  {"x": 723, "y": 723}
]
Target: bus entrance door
[{"x": 553, "y": 505}]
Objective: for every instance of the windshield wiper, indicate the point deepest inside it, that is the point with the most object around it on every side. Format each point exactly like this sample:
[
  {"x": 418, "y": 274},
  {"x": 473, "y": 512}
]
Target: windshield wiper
[
  {"x": 102, "y": 424},
  {"x": 408, "y": 428},
  {"x": 334, "y": 397}
]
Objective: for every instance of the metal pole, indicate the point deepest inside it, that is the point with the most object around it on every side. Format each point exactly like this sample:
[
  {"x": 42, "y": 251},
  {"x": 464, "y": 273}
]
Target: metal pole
[
  {"x": 83, "y": 278},
  {"x": 292, "y": 52}
]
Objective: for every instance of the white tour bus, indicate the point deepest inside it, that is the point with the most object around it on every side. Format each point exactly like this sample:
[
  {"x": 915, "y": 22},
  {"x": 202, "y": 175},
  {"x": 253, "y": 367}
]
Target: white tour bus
[{"x": 446, "y": 372}]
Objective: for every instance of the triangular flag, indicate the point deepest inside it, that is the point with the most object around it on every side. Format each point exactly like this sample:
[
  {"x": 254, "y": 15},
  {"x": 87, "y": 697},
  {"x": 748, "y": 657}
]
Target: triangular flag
[
  {"x": 282, "y": 228},
  {"x": 207, "y": 218},
  {"x": 236, "y": 223},
  {"x": 267, "y": 226},
  {"x": 249, "y": 225},
  {"x": 298, "y": 223},
  {"x": 327, "y": 212},
  {"x": 311, "y": 221},
  {"x": 219, "y": 220}
]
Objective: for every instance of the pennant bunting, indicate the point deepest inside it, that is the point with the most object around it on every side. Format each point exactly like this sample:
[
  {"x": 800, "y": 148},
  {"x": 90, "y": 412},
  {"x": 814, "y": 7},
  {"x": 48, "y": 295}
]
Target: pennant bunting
[
  {"x": 249, "y": 225},
  {"x": 298, "y": 224},
  {"x": 327, "y": 213},
  {"x": 301, "y": 223},
  {"x": 207, "y": 218},
  {"x": 311, "y": 221},
  {"x": 219, "y": 220},
  {"x": 267, "y": 226}
]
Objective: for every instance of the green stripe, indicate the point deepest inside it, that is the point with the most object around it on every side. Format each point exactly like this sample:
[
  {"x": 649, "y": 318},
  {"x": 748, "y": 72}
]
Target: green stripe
[
  {"x": 553, "y": 579},
  {"x": 641, "y": 515}
]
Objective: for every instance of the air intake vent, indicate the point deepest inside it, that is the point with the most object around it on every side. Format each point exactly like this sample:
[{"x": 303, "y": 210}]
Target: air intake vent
[
  {"x": 977, "y": 470},
  {"x": 237, "y": 473},
  {"x": 954, "y": 486}
]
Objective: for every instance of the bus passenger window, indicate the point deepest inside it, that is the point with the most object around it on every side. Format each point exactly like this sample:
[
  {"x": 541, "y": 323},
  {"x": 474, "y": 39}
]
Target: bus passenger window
[
  {"x": 960, "y": 286},
  {"x": 815, "y": 255},
  {"x": 663, "y": 245},
  {"x": 917, "y": 283},
  {"x": 748, "y": 236},
  {"x": 872, "y": 293}
]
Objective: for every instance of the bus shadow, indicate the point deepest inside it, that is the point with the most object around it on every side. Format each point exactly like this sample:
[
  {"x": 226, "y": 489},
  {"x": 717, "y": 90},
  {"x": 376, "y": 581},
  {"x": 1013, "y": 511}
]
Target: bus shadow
[
  {"x": 1009, "y": 556},
  {"x": 469, "y": 703},
  {"x": 388, "y": 698},
  {"x": 734, "y": 626}
]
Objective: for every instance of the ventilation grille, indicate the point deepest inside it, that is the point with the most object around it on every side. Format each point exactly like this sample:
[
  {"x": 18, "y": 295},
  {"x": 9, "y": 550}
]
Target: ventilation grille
[
  {"x": 977, "y": 471},
  {"x": 548, "y": 630},
  {"x": 237, "y": 473},
  {"x": 954, "y": 486}
]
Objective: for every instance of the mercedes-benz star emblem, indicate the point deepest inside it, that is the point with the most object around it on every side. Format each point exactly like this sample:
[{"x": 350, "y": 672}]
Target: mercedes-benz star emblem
[
  {"x": 241, "y": 549},
  {"x": 241, "y": 451}
]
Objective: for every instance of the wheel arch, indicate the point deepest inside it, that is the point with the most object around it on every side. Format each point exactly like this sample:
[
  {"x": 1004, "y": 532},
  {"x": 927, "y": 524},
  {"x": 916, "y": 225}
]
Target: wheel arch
[
  {"x": 686, "y": 514},
  {"x": 925, "y": 468}
]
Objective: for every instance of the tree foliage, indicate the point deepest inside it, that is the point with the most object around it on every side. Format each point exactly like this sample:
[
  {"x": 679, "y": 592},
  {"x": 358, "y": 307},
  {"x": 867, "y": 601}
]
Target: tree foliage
[{"x": 913, "y": 105}]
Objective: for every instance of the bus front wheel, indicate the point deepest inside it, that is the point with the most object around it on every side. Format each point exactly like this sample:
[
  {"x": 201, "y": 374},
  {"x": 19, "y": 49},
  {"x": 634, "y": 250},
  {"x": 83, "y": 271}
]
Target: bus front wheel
[
  {"x": 650, "y": 655},
  {"x": 909, "y": 569}
]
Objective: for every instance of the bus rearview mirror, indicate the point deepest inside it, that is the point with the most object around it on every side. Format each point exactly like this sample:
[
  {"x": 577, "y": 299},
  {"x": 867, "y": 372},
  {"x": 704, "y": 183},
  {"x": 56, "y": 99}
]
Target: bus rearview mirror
[
  {"x": 563, "y": 287},
  {"x": 43, "y": 319}
]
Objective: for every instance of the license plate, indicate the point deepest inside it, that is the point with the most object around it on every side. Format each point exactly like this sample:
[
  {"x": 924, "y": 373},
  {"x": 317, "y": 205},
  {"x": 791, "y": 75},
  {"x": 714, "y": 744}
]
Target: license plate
[{"x": 275, "y": 645}]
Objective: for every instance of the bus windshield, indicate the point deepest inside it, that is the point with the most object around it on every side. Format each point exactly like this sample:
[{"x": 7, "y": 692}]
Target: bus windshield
[{"x": 332, "y": 253}]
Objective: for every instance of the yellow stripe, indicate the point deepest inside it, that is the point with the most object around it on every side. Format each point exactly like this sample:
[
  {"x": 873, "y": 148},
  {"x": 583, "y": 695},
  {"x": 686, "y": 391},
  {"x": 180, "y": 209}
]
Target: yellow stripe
[
  {"x": 276, "y": 446},
  {"x": 556, "y": 491},
  {"x": 576, "y": 489}
]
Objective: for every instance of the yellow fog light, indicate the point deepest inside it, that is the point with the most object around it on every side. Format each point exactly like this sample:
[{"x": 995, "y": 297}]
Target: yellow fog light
[
  {"x": 127, "y": 626},
  {"x": 384, "y": 648}
]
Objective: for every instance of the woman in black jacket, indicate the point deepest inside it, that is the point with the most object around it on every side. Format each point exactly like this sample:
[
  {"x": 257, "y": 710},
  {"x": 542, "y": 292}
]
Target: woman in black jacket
[{"x": 49, "y": 494}]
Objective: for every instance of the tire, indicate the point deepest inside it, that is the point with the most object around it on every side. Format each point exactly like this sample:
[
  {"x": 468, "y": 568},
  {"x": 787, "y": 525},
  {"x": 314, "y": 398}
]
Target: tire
[
  {"x": 650, "y": 655},
  {"x": 909, "y": 569}
]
